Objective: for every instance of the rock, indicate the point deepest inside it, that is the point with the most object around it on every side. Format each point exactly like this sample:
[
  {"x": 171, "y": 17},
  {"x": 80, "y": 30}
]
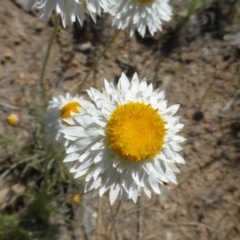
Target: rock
[
  {"x": 64, "y": 42},
  {"x": 7, "y": 53},
  {"x": 165, "y": 206},
  {"x": 166, "y": 82},
  {"x": 39, "y": 25},
  {"x": 64, "y": 39},
  {"x": 5, "y": 195},
  {"x": 198, "y": 115},
  {"x": 196, "y": 146},
  {"x": 67, "y": 57},
  {"x": 189, "y": 56},
  {"x": 183, "y": 213},
  {"x": 18, "y": 188},
  {"x": 85, "y": 47}
]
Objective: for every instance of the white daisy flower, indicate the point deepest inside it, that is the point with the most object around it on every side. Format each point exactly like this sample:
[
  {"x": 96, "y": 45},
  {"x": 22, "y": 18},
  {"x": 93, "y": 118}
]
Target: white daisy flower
[
  {"x": 70, "y": 9},
  {"x": 126, "y": 141},
  {"x": 59, "y": 109},
  {"x": 141, "y": 14}
]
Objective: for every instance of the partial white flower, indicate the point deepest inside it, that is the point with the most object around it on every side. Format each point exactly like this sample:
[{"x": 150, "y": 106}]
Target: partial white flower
[
  {"x": 60, "y": 109},
  {"x": 140, "y": 15},
  {"x": 70, "y": 9},
  {"x": 126, "y": 141}
]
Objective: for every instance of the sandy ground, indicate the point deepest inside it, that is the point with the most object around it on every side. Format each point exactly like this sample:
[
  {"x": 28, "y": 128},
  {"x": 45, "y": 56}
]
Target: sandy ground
[{"x": 201, "y": 73}]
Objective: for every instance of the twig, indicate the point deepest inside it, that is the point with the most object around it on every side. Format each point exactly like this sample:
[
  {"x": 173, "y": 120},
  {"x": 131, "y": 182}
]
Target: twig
[
  {"x": 191, "y": 224},
  {"x": 6, "y": 105},
  {"x": 13, "y": 166},
  {"x": 229, "y": 103},
  {"x": 99, "y": 220},
  {"x": 87, "y": 227},
  {"x": 22, "y": 4},
  {"x": 212, "y": 82},
  {"x": 114, "y": 220},
  {"x": 66, "y": 78},
  {"x": 46, "y": 58},
  {"x": 79, "y": 85}
]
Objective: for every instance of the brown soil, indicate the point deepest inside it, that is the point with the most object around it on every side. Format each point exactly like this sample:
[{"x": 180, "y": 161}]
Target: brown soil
[{"x": 200, "y": 71}]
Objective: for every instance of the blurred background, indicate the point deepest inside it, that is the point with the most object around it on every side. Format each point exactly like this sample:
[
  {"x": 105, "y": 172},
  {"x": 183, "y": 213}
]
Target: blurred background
[{"x": 195, "y": 59}]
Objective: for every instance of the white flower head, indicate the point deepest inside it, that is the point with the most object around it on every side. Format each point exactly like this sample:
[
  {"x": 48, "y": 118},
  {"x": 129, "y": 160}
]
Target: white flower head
[
  {"x": 126, "y": 141},
  {"x": 59, "y": 110},
  {"x": 70, "y": 9},
  {"x": 140, "y": 15}
]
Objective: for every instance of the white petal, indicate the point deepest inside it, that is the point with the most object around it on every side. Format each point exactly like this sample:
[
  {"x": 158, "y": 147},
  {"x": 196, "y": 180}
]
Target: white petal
[
  {"x": 71, "y": 157},
  {"x": 134, "y": 195},
  {"x": 173, "y": 167},
  {"x": 113, "y": 193},
  {"x": 80, "y": 173},
  {"x": 178, "y": 138},
  {"x": 172, "y": 110},
  {"x": 175, "y": 146},
  {"x": 102, "y": 190},
  {"x": 179, "y": 159},
  {"x": 123, "y": 84},
  {"x": 78, "y": 167},
  {"x": 147, "y": 191},
  {"x": 170, "y": 175},
  {"x": 154, "y": 184},
  {"x": 90, "y": 185}
]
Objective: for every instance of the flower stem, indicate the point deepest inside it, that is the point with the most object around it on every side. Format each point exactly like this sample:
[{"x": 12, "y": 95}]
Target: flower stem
[
  {"x": 139, "y": 217},
  {"x": 77, "y": 87},
  {"x": 46, "y": 58}
]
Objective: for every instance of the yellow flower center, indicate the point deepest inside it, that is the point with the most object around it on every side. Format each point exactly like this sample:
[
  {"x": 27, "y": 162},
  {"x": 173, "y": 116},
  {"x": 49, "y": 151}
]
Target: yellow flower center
[
  {"x": 145, "y": 1},
  {"x": 68, "y": 108},
  {"x": 136, "y": 131}
]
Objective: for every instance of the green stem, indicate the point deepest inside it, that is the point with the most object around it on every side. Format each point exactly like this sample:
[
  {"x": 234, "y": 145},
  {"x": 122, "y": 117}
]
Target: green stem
[
  {"x": 79, "y": 85},
  {"x": 46, "y": 58}
]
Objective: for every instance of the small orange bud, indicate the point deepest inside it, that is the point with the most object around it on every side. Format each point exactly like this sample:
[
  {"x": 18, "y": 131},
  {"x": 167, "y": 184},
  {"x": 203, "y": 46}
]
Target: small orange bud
[
  {"x": 13, "y": 119},
  {"x": 76, "y": 198}
]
